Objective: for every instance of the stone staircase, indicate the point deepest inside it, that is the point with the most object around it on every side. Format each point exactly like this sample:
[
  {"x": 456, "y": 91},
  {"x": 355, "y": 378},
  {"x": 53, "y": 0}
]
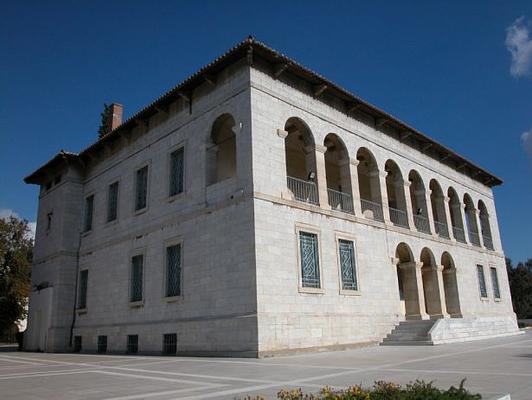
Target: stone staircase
[{"x": 410, "y": 333}]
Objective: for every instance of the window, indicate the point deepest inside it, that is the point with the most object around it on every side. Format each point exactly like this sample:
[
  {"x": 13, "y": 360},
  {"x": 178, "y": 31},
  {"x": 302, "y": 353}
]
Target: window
[
  {"x": 137, "y": 264},
  {"x": 176, "y": 171},
  {"x": 309, "y": 258},
  {"x": 346, "y": 251},
  {"x": 141, "y": 188},
  {"x": 112, "y": 202},
  {"x": 77, "y": 344},
  {"x": 495, "y": 283},
  {"x": 82, "y": 295},
  {"x": 481, "y": 281},
  {"x": 173, "y": 270},
  {"x": 170, "y": 343},
  {"x": 102, "y": 344},
  {"x": 49, "y": 221},
  {"x": 89, "y": 208},
  {"x": 132, "y": 344}
]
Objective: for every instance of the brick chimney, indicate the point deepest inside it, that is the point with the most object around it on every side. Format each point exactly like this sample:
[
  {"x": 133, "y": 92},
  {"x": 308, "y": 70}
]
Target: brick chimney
[{"x": 116, "y": 115}]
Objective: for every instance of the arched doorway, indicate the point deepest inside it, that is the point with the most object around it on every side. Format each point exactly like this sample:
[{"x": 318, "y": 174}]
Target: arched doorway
[
  {"x": 369, "y": 185},
  {"x": 419, "y": 202},
  {"x": 485, "y": 225},
  {"x": 455, "y": 209},
  {"x": 338, "y": 174},
  {"x": 409, "y": 281},
  {"x": 471, "y": 221},
  {"x": 450, "y": 286},
  {"x": 438, "y": 209},
  {"x": 431, "y": 287},
  {"x": 395, "y": 188},
  {"x": 221, "y": 152}
]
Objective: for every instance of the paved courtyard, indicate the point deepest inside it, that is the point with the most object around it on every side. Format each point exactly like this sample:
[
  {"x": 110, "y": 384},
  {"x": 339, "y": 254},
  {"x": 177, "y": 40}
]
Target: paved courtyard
[{"x": 493, "y": 367}]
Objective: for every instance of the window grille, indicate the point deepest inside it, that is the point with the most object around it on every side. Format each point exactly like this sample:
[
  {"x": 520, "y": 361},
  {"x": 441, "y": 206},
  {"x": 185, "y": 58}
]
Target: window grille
[
  {"x": 173, "y": 270},
  {"x": 481, "y": 281},
  {"x": 89, "y": 208},
  {"x": 102, "y": 344},
  {"x": 310, "y": 269},
  {"x": 495, "y": 283},
  {"x": 77, "y": 344},
  {"x": 141, "y": 188},
  {"x": 170, "y": 343},
  {"x": 346, "y": 249},
  {"x": 132, "y": 344},
  {"x": 176, "y": 171},
  {"x": 82, "y": 295},
  {"x": 112, "y": 202},
  {"x": 136, "y": 277}
]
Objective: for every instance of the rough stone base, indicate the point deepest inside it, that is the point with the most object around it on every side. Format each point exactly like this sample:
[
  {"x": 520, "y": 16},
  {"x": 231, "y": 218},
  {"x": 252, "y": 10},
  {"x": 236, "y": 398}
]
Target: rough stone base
[{"x": 467, "y": 329}]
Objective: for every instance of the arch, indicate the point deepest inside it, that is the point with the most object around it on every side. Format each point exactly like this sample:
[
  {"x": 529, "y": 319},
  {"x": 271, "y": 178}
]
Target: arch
[
  {"x": 369, "y": 185},
  {"x": 300, "y": 157},
  {"x": 431, "y": 287},
  {"x": 338, "y": 174},
  {"x": 403, "y": 253},
  {"x": 438, "y": 209},
  {"x": 407, "y": 282},
  {"x": 455, "y": 210},
  {"x": 221, "y": 151},
  {"x": 450, "y": 286},
  {"x": 485, "y": 228},
  {"x": 419, "y": 201},
  {"x": 395, "y": 188},
  {"x": 471, "y": 220}
]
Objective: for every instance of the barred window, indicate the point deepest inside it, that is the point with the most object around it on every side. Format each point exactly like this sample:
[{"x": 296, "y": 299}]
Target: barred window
[
  {"x": 141, "y": 188},
  {"x": 481, "y": 281},
  {"x": 346, "y": 249},
  {"x": 82, "y": 294},
  {"x": 89, "y": 209},
  {"x": 170, "y": 343},
  {"x": 137, "y": 265},
  {"x": 176, "y": 171},
  {"x": 77, "y": 344},
  {"x": 173, "y": 270},
  {"x": 112, "y": 202},
  {"x": 102, "y": 344},
  {"x": 132, "y": 344},
  {"x": 310, "y": 268},
  {"x": 495, "y": 283}
]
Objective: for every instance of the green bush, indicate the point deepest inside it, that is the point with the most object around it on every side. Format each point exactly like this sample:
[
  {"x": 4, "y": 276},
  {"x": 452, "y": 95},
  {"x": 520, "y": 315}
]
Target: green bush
[{"x": 418, "y": 390}]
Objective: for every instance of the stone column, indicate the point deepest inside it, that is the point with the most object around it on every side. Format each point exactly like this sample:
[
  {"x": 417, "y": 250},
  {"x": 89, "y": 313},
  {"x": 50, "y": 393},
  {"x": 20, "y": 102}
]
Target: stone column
[
  {"x": 439, "y": 274},
  {"x": 408, "y": 201},
  {"x": 321, "y": 176},
  {"x": 430, "y": 214},
  {"x": 352, "y": 179},
  {"x": 413, "y": 290},
  {"x": 421, "y": 294},
  {"x": 464, "y": 224},
  {"x": 384, "y": 196},
  {"x": 283, "y": 189},
  {"x": 479, "y": 228},
  {"x": 447, "y": 211}
]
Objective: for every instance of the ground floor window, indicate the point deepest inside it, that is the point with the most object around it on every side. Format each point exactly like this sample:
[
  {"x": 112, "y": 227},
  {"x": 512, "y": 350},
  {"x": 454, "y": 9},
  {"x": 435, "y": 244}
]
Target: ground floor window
[
  {"x": 173, "y": 270},
  {"x": 132, "y": 344},
  {"x": 482, "y": 281},
  {"x": 346, "y": 250},
  {"x": 495, "y": 283},
  {"x": 77, "y": 344},
  {"x": 309, "y": 258},
  {"x": 137, "y": 265},
  {"x": 170, "y": 343},
  {"x": 102, "y": 344}
]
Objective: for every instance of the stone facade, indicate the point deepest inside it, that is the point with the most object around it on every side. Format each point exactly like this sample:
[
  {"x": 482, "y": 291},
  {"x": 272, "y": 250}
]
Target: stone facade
[{"x": 246, "y": 132}]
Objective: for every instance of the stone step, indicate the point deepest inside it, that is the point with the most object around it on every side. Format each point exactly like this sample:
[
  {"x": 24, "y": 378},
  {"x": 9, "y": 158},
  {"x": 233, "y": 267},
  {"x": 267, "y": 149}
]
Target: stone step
[
  {"x": 407, "y": 343},
  {"x": 411, "y": 333}
]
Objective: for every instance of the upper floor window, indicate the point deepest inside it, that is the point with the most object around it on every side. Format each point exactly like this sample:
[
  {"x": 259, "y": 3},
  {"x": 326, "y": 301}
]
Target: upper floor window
[
  {"x": 112, "y": 202},
  {"x": 482, "y": 281},
  {"x": 176, "y": 171},
  {"x": 346, "y": 253},
  {"x": 82, "y": 294},
  {"x": 137, "y": 272},
  {"x": 221, "y": 153},
  {"x": 495, "y": 283},
  {"x": 141, "y": 188},
  {"x": 89, "y": 209},
  {"x": 173, "y": 270},
  {"x": 309, "y": 259}
]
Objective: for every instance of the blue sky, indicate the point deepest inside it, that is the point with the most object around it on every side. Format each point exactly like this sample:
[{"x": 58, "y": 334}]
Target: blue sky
[{"x": 443, "y": 67}]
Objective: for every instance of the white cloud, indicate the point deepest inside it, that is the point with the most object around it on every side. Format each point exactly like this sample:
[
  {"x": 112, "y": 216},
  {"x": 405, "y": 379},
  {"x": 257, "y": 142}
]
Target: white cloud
[
  {"x": 526, "y": 139},
  {"x": 5, "y": 213},
  {"x": 519, "y": 44}
]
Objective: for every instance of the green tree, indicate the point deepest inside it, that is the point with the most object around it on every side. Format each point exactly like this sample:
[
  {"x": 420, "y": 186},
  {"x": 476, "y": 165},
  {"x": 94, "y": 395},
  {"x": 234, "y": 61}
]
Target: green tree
[
  {"x": 520, "y": 280},
  {"x": 16, "y": 248}
]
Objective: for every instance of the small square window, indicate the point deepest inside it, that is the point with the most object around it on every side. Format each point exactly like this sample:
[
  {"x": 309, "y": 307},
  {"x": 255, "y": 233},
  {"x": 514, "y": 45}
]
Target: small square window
[
  {"x": 170, "y": 343},
  {"x": 102, "y": 344},
  {"x": 132, "y": 344}
]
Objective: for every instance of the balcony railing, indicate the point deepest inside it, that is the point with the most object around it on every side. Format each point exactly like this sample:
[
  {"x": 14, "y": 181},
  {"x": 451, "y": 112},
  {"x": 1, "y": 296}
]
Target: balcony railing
[
  {"x": 340, "y": 201},
  {"x": 421, "y": 223},
  {"x": 488, "y": 242},
  {"x": 398, "y": 217},
  {"x": 375, "y": 208},
  {"x": 303, "y": 190},
  {"x": 441, "y": 229},
  {"x": 473, "y": 238},
  {"x": 459, "y": 234}
]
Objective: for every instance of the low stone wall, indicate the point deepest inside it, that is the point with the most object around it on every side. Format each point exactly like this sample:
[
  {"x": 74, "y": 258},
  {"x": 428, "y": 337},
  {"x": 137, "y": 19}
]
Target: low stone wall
[{"x": 465, "y": 329}]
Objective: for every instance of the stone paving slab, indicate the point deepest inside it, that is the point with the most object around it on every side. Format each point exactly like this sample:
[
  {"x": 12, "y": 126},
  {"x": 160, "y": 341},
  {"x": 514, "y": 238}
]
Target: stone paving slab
[{"x": 493, "y": 367}]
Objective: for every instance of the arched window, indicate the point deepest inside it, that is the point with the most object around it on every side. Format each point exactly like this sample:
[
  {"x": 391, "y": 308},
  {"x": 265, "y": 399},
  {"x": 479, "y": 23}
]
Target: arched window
[
  {"x": 221, "y": 152},
  {"x": 338, "y": 174},
  {"x": 395, "y": 187},
  {"x": 369, "y": 185},
  {"x": 438, "y": 209},
  {"x": 485, "y": 225},
  {"x": 419, "y": 202},
  {"x": 471, "y": 221},
  {"x": 455, "y": 209},
  {"x": 300, "y": 156}
]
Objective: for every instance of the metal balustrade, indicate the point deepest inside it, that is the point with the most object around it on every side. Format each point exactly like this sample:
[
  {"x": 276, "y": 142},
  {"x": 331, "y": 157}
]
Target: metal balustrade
[
  {"x": 421, "y": 223},
  {"x": 441, "y": 229},
  {"x": 473, "y": 238},
  {"x": 303, "y": 190},
  {"x": 340, "y": 201},
  {"x": 488, "y": 242},
  {"x": 398, "y": 217},
  {"x": 375, "y": 208},
  {"x": 459, "y": 234}
]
